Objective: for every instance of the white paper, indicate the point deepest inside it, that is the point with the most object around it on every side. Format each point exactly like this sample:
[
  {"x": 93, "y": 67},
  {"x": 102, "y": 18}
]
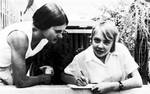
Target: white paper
[{"x": 89, "y": 86}]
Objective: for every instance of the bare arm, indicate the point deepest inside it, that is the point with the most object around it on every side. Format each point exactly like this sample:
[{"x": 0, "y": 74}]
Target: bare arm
[
  {"x": 134, "y": 81},
  {"x": 68, "y": 79},
  {"x": 18, "y": 42}
]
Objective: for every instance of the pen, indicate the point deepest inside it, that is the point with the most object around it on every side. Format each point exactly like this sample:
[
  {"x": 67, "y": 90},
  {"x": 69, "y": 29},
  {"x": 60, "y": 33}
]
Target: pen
[
  {"x": 83, "y": 77},
  {"x": 82, "y": 73}
]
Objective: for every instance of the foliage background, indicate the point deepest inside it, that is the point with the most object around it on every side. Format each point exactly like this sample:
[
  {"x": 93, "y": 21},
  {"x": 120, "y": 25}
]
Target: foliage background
[{"x": 133, "y": 24}]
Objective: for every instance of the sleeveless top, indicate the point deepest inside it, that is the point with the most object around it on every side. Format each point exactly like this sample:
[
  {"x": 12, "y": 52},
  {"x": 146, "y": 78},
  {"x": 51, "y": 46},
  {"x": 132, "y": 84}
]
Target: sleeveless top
[{"x": 5, "y": 51}]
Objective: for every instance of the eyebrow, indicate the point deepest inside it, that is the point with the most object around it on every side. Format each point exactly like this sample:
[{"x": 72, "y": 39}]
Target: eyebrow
[{"x": 61, "y": 31}]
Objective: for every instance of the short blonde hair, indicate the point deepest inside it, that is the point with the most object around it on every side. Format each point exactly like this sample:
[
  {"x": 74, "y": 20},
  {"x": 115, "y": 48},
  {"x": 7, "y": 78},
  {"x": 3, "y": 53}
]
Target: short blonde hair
[{"x": 108, "y": 29}]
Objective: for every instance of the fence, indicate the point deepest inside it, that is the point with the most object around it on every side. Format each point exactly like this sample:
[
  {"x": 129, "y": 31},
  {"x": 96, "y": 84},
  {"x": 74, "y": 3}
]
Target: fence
[{"x": 8, "y": 14}]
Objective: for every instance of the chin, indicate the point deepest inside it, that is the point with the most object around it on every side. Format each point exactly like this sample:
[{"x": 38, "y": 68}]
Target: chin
[{"x": 100, "y": 55}]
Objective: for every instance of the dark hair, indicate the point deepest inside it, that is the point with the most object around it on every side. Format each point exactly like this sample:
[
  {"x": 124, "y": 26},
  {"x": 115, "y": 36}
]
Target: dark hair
[
  {"x": 109, "y": 31},
  {"x": 49, "y": 15}
]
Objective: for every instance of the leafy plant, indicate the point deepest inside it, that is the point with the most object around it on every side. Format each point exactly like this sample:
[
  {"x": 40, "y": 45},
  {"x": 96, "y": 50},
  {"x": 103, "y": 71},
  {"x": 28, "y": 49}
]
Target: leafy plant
[{"x": 133, "y": 24}]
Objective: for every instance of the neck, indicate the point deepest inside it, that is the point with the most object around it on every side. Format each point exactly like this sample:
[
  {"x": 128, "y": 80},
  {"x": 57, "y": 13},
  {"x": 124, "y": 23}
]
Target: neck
[{"x": 101, "y": 58}]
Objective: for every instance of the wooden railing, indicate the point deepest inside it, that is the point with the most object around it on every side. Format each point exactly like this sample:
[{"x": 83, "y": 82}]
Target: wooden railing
[{"x": 8, "y": 14}]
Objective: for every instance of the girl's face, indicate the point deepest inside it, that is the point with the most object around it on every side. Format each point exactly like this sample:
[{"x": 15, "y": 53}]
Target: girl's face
[
  {"x": 101, "y": 45},
  {"x": 54, "y": 33}
]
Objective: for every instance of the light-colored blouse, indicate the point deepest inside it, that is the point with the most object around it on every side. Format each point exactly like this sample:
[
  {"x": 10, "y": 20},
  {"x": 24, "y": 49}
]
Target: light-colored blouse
[{"x": 116, "y": 67}]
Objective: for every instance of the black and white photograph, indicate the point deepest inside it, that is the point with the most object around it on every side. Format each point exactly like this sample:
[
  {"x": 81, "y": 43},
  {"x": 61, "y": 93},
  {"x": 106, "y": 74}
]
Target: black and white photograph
[{"x": 75, "y": 46}]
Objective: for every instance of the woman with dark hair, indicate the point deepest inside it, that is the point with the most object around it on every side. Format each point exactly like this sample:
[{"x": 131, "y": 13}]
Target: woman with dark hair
[
  {"x": 106, "y": 63},
  {"x": 49, "y": 15},
  {"x": 23, "y": 40}
]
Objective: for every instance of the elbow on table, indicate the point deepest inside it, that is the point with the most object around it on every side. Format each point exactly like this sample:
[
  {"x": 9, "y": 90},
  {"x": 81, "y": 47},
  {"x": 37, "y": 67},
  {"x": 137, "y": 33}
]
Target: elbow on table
[
  {"x": 139, "y": 83},
  {"x": 19, "y": 84}
]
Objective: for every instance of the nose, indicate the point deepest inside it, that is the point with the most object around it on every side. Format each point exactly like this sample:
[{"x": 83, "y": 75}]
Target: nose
[
  {"x": 60, "y": 35},
  {"x": 101, "y": 45}
]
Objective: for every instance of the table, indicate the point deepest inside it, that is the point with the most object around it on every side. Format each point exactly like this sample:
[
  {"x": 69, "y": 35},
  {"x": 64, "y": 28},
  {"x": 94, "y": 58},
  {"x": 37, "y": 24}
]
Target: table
[
  {"x": 64, "y": 89},
  {"x": 145, "y": 89},
  {"x": 42, "y": 89}
]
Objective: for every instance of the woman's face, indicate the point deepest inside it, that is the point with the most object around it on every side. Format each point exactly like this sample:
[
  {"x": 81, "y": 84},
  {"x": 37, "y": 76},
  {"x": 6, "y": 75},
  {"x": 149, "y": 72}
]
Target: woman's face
[
  {"x": 54, "y": 33},
  {"x": 101, "y": 46}
]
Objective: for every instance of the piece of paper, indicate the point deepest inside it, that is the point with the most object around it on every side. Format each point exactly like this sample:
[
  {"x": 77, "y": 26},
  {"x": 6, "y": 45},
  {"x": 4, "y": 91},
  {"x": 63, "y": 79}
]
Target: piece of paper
[{"x": 89, "y": 86}]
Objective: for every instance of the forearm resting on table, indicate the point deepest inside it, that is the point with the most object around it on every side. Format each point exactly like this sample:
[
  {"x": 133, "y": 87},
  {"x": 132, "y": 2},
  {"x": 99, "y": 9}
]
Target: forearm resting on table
[
  {"x": 115, "y": 86},
  {"x": 133, "y": 82},
  {"x": 32, "y": 80},
  {"x": 127, "y": 84}
]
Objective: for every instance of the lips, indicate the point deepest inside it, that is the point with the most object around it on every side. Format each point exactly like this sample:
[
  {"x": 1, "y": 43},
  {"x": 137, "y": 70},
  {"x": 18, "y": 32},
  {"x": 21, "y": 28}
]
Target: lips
[{"x": 100, "y": 51}]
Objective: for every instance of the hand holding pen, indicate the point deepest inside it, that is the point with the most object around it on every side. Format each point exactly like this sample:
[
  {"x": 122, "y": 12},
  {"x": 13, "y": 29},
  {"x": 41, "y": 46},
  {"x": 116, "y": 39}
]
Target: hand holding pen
[{"x": 81, "y": 80}]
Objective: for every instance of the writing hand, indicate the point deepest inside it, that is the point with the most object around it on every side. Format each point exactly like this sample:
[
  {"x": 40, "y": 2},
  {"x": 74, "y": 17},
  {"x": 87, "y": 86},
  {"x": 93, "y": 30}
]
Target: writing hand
[{"x": 81, "y": 80}]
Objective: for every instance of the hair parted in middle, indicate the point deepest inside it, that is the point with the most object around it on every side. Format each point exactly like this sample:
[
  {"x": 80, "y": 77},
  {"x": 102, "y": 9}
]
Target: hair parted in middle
[{"x": 108, "y": 29}]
